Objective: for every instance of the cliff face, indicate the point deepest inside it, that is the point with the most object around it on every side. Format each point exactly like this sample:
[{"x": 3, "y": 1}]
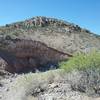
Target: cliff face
[{"x": 25, "y": 55}]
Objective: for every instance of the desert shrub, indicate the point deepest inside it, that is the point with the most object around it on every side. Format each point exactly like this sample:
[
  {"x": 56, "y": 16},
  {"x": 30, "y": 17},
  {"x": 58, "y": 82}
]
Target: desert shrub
[
  {"x": 82, "y": 62},
  {"x": 85, "y": 72}
]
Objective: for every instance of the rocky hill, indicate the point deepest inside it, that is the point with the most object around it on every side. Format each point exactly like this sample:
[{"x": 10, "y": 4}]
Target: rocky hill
[
  {"x": 39, "y": 44},
  {"x": 58, "y": 34}
]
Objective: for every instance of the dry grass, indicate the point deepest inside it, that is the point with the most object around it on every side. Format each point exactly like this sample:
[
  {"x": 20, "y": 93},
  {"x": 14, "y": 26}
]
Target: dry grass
[{"x": 24, "y": 84}]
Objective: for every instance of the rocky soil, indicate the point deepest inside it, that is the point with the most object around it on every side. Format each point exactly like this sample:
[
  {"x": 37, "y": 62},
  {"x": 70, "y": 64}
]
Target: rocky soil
[
  {"x": 60, "y": 87},
  {"x": 5, "y": 79}
]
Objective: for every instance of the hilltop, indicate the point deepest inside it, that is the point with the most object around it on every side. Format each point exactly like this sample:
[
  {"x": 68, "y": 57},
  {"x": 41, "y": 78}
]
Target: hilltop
[{"x": 58, "y": 34}]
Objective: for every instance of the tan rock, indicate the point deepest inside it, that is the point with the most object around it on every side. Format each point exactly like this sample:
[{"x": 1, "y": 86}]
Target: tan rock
[{"x": 33, "y": 54}]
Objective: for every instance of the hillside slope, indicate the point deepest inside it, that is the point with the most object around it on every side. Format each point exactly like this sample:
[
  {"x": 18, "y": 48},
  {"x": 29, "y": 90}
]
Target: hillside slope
[{"x": 58, "y": 34}]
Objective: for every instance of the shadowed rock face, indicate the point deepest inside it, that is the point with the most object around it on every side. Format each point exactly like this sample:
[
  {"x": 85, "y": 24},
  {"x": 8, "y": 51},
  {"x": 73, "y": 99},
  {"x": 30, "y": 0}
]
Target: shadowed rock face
[
  {"x": 7, "y": 61},
  {"x": 31, "y": 55}
]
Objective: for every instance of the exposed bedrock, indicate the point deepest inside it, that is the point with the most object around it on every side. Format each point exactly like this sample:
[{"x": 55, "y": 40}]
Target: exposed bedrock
[{"x": 28, "y": 55}]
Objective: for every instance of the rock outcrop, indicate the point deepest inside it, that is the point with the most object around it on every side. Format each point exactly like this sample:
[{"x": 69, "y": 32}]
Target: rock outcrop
[
  {"x": 28, "y": 55},
  {"x": 7, "y": 61}
]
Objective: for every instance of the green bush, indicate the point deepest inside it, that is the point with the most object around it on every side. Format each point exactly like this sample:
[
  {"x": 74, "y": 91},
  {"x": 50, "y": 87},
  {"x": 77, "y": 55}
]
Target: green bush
[{"x": 82, "y": 62}]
